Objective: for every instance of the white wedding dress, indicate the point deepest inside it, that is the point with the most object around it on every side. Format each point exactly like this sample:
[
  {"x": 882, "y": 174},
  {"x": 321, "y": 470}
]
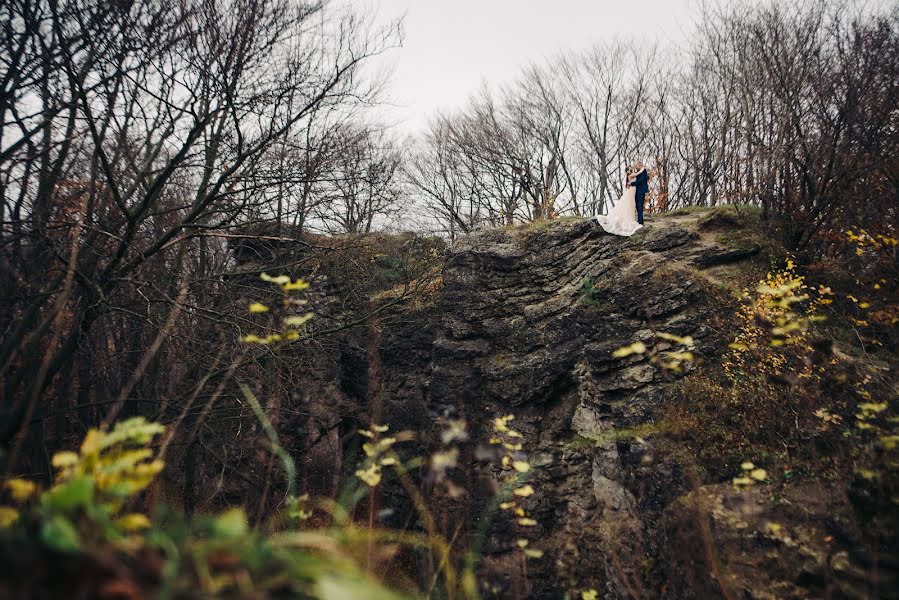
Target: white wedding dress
[{"x": 622, "y": 217}]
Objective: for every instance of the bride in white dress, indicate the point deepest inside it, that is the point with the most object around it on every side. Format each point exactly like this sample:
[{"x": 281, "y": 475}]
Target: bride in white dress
[{"x": 622, "y": 217}]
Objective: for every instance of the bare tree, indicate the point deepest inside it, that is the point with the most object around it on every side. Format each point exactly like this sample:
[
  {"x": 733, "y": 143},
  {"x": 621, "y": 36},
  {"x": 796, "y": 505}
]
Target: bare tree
[
  {"x": 133, "y": 135},
  {"x": 364, "y": 183}
]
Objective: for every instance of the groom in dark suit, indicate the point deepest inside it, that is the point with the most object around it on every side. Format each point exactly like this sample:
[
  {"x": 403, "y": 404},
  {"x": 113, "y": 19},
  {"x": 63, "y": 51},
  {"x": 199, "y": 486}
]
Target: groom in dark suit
[{"x": 641, "y": 183}]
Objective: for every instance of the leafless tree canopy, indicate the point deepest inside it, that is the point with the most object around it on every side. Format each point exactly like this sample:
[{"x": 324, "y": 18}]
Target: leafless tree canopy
[
  {"x": 154, "y": 153},
  {"x": 135, "y": 136},
  {"x": 791, "y": 108}
]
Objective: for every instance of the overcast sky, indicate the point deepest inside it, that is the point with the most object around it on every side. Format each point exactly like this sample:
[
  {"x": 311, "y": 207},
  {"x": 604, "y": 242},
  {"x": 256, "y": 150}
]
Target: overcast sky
[{"x": 451, "y": 46}]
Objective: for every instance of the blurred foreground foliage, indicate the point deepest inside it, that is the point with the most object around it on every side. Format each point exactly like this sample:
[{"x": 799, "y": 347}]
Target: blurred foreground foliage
[{"x": 80, "y": 539}]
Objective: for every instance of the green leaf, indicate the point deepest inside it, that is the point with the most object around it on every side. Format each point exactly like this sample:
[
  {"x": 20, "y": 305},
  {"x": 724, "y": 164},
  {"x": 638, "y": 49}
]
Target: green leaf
[
  {"x": 346, "y": 586},
  {"x": 60, "y": 534},
  {"x": 231, "y": 524},
  {"x": 68, "y": 496}
]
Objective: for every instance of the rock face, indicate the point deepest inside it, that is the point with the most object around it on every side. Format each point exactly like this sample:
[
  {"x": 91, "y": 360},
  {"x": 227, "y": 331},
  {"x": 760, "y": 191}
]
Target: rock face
[
  {"x": 529, "y": 323},
  {"x": 526, "y": 323}
]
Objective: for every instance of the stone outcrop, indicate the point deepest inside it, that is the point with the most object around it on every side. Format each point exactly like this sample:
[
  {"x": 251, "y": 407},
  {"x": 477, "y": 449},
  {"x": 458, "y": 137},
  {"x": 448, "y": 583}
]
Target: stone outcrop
[
  {"x": 530, "y": 319},
  {"x": 526, "y": 323}
]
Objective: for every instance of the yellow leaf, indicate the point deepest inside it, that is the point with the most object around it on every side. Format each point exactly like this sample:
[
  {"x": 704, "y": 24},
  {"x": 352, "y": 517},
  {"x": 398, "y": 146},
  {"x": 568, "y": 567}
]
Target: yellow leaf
[
  {"x": 371, "y": 476},
  {"x": 524, "y": 491},
  {"x": 684, "y": 341},
  {"x": 635, "y": 348},
  {"x": 522, "y": 543},
  {"x": 21, "y": 489},
  {"x": 747, "y": 466},
  {"x": 256, "y": 307},
  {"x": 441, "y": 461},
  {"x": 231, "y": 524},
  {"x": 521, "y": 466},
  {"x": 8, "y": 516},
  {"x": 531, "y": 553},
  {"x": 297, "y": 320},
  {"x": 527, "y": 522},
  {"x": 280, "y": 279},
  {"x": 133, "y": 522},
  {"x": 759, "y": 474},
  {"x": 299, "y": 284},
  {"x": 91, "y": 444},
  {"x": 62, "y": 460}
]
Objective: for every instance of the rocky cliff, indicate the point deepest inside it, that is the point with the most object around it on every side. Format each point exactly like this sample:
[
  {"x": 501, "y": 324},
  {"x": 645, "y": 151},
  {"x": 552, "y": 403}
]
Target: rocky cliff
[{"x": 526, "y": 322}]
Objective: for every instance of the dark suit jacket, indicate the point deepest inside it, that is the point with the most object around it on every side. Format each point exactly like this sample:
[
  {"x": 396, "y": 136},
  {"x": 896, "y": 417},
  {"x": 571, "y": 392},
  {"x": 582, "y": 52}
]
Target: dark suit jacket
[{"x": 641, "y": 182}]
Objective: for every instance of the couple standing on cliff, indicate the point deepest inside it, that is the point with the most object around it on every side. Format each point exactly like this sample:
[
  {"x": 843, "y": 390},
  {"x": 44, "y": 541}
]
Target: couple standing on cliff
[{"x": 626, "y": 215}]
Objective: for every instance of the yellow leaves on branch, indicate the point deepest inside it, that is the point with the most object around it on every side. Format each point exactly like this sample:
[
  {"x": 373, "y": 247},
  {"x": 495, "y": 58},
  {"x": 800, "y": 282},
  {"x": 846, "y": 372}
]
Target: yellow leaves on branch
[
  {"x": 370, "y": 476},
  {"x": 513, "y": 460},
  {"x": 751, "y": 474},
  {"x": 684, "y": 341},
  {"x": 285, "y": 282},
  {"x": 378, "y": 453},
  {"x": 672, "y": 360},
  {"x": 501, "y": 424},
  {"x": 109, "y": 468},
  {"x": 529, "y": 552},
  {"x": 290, "y": 323}
]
